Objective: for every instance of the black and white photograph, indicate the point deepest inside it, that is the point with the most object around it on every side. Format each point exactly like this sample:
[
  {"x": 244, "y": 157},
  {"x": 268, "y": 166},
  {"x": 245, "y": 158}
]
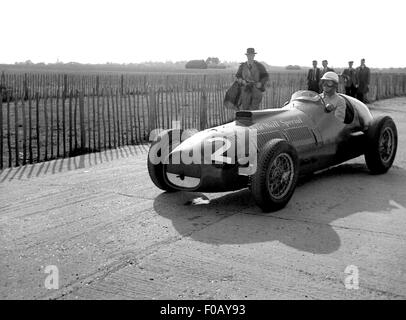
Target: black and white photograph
[{"x": 202, "y": 154}]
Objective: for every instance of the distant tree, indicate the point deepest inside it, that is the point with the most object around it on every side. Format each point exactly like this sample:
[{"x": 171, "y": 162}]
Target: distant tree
[
  {"x": 295, "y": 67},
  {"x": 212, "y": 60},
  {"x": 196, "y": 64}
]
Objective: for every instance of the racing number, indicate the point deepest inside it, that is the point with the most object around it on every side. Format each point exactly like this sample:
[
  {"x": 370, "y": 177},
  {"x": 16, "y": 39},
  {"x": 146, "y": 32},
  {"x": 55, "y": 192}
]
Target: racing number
[{"x": 218, "y": 154}]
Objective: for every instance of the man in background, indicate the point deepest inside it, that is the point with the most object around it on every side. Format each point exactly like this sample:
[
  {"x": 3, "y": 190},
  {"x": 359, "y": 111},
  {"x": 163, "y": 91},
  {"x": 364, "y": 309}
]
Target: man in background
[
  {"x": 364, "y": 76},
  {"x": 325, "y": 68},
  {"x": 252, "y": 77},
  {"x": 313, "y": 78},
  {"x": 350, "y": 80}
]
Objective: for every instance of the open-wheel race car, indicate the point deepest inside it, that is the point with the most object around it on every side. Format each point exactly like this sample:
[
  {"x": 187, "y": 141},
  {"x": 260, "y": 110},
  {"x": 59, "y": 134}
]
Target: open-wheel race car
[{"x": 267, "y": 150}]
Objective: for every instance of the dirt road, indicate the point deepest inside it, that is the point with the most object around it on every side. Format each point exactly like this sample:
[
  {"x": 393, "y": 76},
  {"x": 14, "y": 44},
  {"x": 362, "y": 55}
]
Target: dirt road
[{"x": 110, "y": 233}]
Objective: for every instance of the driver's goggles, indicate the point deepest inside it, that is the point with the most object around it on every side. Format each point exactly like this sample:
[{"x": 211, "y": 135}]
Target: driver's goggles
[{"x": 328, "y": 83}]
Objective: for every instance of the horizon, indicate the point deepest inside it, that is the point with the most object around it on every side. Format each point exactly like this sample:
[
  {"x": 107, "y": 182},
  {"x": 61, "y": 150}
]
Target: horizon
[
  {"x": 169, "y": 63},
  {"x": 97, "y": 32}
]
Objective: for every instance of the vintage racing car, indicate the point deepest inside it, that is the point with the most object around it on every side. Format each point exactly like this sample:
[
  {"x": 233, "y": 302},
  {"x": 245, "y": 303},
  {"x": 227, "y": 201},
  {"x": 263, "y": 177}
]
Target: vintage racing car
[{"x": 267, "y": 150}]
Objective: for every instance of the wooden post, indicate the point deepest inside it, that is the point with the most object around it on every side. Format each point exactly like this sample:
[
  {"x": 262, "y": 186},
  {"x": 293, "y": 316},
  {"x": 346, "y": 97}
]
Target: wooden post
[
  {"x": 141, "y": 105},
  {"x": 108, "y": 116},
  {"x": 37, "y": 126},
  {"x": 97, "y": 84},
  {"x": 82, "y": 119},
  {"x": 1, "y": 130},
  {"x": 176, "y": 103},
  {"x": 130, "y": 115},
  {"x": 113, "y": 111},
  {"x": 157, "y": 110},
  {"x": 10, "y": 156},
  {"x": 57, "y": 118},
  {"x": 137, "y": 116},
  {"x": 30, "y": 155},
  {"x": 64, "y": 121},
  {"x": 94, "y": 119},
  {"x": 377, "y": 87},
  {"x": 203, "y": 109},
  {"x": 171, "y": 106},
  {"x": 24, "y": 131},
  {"x": 168, "y": 101},
  {"x": 52, "y": 124},
  {"x": 179, "y": 107},
  {"x": 151, "y": 112},
  {"x": 104, "y": 120},
  {"x": 88, "y": 107},
  {"x": 203, "y": 106},
  {"x": 98, "y": 123},
  {"x": 213, "y": 112},
  {"x": 25, "y": 84},
  {"x": 3, "y": 81},
  {"x": 75, "y": 118},
  {"x": 70, "y": 122},
  {"x": 118, "y": 117},
  {"x": 46, "y": 124},
  {"x": 16, "y": 131},
  {"x": 120, "y": 123},
  {"x": 145, "y": 95}
]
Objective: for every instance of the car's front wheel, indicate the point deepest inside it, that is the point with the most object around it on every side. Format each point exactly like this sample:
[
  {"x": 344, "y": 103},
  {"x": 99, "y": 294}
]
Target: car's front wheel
[
  {"x": 382, "y": 140},
  {"x": 156, "y": 168},
  {"x": 277, "y": 172}
]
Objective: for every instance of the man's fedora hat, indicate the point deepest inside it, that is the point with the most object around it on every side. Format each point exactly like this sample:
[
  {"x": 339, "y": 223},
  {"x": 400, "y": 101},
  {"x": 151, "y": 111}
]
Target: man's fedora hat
[{"x": 251, "y": 51}]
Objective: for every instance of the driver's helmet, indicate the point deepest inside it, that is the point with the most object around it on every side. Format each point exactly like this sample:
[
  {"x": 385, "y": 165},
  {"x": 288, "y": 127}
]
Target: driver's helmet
[{"x": 330, "y": 75}]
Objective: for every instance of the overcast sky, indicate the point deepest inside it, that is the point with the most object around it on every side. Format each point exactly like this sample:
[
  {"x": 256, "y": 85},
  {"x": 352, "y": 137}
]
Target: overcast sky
[{"x": 282, "y": 31}]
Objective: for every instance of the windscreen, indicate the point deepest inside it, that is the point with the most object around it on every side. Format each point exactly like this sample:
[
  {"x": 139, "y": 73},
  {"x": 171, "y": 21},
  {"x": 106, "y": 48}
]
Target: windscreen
[
  {"x": 308, "y": 102},
  {"x": 305, "y": 95}
]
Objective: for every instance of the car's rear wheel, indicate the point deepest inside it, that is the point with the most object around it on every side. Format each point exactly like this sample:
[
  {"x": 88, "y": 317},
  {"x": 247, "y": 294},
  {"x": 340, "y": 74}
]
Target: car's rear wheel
[
  {"x": 382, "y": 140},
  {"x": 277, "y": 172},
  {"x": 156, "y": 169}
]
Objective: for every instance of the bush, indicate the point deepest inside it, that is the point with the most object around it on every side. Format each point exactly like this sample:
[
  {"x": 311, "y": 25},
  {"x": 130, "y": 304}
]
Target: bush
[
  {"x": 295, "y": 67},
  {"x": 196, "y": 64}
]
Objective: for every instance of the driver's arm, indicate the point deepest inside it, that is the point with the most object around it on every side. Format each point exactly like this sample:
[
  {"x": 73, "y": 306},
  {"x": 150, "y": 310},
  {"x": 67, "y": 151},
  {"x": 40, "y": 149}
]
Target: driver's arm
[{"x": 340, "y": 109}]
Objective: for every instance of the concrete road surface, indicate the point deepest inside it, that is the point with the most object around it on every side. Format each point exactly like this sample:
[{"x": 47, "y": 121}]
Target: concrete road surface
[{"x": 95, "y": 227}]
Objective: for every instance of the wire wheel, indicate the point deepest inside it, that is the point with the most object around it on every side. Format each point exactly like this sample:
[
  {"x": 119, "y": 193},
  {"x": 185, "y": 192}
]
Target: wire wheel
[
  {"x": 275, "y": 179},
  {"x": 386, "y": 144},
  {"x": 381, "y": 145},
  {"x": 280, "y": 176}
]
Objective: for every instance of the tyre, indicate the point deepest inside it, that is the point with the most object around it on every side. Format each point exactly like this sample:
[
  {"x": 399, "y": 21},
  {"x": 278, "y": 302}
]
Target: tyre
[
  {"x": 382, "y": 141},
  {"x": 157, "y": 170},
  {"x": 277, "y": 172}
]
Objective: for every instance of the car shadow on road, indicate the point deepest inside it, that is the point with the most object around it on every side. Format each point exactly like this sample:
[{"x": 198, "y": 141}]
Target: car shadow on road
[{"x": 309, "y": 221}]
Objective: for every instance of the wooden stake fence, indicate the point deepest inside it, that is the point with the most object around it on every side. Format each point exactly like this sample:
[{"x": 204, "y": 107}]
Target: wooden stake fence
[{"x": 53, "y": 116}]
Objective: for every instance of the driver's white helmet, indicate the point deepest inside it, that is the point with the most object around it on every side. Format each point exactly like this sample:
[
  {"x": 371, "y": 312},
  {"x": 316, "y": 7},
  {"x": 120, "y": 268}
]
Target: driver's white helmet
[{"x": 330, "y": 75}]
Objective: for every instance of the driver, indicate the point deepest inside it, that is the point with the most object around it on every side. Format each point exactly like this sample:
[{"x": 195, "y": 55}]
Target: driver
[{"x": 334, "y": 102}]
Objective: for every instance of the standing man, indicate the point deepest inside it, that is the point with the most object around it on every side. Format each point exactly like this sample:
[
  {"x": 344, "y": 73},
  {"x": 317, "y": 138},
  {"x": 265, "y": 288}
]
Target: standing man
[
  {"x": 364, "y": 76},
  {"x": 350, "y": 80},
  {"x": 326, "y": 68},
  {"x": 252, "y": 76},
  {"x": 313, "y": 78}
]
